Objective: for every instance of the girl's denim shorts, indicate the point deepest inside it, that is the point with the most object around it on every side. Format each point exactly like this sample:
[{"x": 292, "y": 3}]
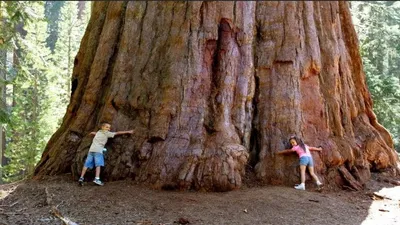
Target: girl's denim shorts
[{"x": 306, "y": 161}]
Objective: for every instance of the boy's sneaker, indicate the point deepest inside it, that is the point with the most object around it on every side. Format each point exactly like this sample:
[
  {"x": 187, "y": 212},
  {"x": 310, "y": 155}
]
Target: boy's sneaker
[
  {"x": 81, "y": 180},
  {"x": 300, "y": 187},
  {"x": 98, "y": 182}
]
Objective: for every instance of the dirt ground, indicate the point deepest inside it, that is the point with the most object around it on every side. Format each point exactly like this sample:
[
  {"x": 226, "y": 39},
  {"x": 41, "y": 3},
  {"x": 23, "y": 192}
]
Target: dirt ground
[{"x": 123, "y": 202}]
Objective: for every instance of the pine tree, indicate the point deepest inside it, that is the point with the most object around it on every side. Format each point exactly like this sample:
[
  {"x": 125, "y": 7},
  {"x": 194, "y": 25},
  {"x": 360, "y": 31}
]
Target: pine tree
[
  {"x": 377, "y": 25},
  {"x": 29, "y": 131},
  {"x": 38, "y": 80},
  {"x": 70, "y": 33},
  {"x": 12, "y": 14},
  {"x": 52, "y": 13}
]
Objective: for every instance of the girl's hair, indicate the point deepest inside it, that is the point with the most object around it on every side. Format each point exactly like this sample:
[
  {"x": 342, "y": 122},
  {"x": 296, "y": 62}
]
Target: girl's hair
[{"x": 299, "y": 142}]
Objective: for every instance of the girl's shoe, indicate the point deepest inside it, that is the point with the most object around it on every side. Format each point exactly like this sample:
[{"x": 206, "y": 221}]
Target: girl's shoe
[
  {"x": 300, "y": 187},
  {"x": 80, "y": 181},
  {"x": 319, "y": 186}
]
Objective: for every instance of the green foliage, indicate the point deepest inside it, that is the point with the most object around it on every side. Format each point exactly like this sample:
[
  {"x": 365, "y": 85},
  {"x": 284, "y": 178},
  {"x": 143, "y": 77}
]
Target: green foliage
[
  {"x": 37, "y": 78},
  {"x": 28, "y": 133},
  {"x": 4, "y": 117},
  {"x": 70, "y": 33},
  {"x": 377, "y": 25},
  {"x": 11, "y": 14}
]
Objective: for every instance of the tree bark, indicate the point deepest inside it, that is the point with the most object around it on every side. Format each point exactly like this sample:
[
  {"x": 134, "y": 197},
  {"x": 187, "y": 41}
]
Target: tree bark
[
  {"x": 3, "y": 106},
  {"x": 81, "y": 9},
  {"x": 213, "y": 88},
  {"x": 3, "y": 62}
]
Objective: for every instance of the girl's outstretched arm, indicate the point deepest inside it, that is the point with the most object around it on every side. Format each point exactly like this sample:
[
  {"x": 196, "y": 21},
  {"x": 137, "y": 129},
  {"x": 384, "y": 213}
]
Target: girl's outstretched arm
[
  {"x": 285, "y": 151},
  {"x": 92, "y": 133},
  {"x": 315, "y": 149}
]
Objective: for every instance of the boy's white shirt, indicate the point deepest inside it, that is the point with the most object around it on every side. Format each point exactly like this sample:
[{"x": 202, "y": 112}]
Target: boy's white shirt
[{"x": 100, "y": 140}]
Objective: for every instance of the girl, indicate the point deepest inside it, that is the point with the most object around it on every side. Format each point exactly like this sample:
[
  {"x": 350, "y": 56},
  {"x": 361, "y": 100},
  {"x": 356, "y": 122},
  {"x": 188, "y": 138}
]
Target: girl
[{"x": 306, "y": 160}]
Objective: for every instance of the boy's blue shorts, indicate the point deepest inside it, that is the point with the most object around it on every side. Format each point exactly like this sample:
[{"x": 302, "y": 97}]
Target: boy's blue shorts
[
  {"x": 306, "y": 161},
  {"x": 94, "y": 159}
]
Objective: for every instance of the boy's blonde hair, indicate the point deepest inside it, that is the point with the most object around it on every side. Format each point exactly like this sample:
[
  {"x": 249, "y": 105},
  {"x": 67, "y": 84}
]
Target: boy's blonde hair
[{"x": 103, "y": 124}]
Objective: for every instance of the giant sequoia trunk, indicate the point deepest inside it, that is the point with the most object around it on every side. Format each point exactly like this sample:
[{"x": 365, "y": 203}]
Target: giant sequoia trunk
[{"x": 214, "y": 89}]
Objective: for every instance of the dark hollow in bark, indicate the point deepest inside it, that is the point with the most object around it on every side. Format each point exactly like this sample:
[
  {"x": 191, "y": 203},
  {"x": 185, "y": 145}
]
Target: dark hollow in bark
[{"x": 213, "y": 88}]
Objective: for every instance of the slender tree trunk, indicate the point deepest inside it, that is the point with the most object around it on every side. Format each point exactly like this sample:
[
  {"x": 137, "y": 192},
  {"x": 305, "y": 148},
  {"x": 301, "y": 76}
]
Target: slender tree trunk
[
  {"x": 69, "y": 67},
  {"x": 81, "y": 9},
  {"x": 3, "y": 149},
  {"x": 33, "y": 117},
  {"x": 3, "y": 106},
  {"x": 52, "y": 13},
  {"x": 213, "y": 88},
  {"x": 3, "y": 58}
]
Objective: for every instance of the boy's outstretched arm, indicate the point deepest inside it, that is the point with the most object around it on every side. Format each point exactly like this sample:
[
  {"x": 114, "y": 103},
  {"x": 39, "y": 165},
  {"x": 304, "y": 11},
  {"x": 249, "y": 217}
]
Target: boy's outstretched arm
[
  {"x": 124, "y": 132},
  {"x": 315, "y": 149},
  {"x": 285, "y": 151}
]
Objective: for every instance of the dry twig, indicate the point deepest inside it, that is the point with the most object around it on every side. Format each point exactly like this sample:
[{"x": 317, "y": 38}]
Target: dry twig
[{"x": 58, "y": 214}]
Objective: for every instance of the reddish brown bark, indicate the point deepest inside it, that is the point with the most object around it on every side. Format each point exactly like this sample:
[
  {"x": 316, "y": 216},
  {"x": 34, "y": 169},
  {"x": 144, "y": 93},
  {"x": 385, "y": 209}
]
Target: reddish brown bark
[{"x": 213, "y": 87}]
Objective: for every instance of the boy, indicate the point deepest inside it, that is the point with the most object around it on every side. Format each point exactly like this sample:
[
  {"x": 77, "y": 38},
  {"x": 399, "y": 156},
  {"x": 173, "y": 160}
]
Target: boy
[{"x": 95, "y": 155}]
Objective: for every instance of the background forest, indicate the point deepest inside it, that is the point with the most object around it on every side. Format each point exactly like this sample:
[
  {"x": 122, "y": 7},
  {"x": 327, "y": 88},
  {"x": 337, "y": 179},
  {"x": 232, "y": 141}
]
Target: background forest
[{"x": 39, "y": 41}]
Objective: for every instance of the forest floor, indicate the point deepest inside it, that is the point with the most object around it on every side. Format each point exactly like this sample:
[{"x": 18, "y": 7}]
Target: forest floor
[{"x": 123, "y": 202}]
